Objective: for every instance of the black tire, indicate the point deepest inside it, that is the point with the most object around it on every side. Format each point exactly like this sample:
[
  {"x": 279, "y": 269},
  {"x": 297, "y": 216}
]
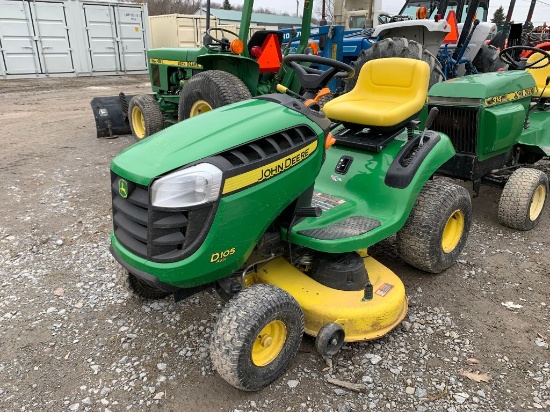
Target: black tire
[
  {"x": 236, "y": 349},
  {"x": 397, "y": 47},
  {"x": 487, "y": 59},
  {"x": 437, "y": 228},
  {"x": 330, "y": 339},
  {"x": 523, "y": 199},
  {"x": 144, "y": 110},
  {"x": 213, "y": 87},
  {"x": 145, "y": 290}
]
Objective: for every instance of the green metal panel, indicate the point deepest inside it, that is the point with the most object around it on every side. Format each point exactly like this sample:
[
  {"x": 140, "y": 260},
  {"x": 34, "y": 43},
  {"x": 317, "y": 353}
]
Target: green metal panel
[
  {"x": 500, "y": 129},
  {"x": 364, "y": 193},
  {"x": 537, "y": 136},
  {"x": 196, "y": 138},
  {"x": 485, "y": 86}
]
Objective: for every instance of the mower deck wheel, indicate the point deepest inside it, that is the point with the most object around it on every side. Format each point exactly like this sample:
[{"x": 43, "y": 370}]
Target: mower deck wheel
[
  {"x": 523, "y": 199},
  {"x": 330, "y": 339},
  {"x": 145, "y": 290},
  {"x": 209, "y": 90},
  {"x": 437, "y": 228},
  {"x": 256, "y": 336},
  {"x": 145, "y": 116}
]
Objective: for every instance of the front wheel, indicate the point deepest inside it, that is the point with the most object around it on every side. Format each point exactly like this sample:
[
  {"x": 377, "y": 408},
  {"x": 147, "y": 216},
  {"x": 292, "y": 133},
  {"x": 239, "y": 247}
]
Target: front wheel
[
  {"x": 256, "y": 337},
  {"x": 145, "y": 290},
  {"x": 145, "y": 116},
  {"x": 437, "y": 228},
  {"x": 209, "y": 90},
  {"x": 523, "y": 199}
]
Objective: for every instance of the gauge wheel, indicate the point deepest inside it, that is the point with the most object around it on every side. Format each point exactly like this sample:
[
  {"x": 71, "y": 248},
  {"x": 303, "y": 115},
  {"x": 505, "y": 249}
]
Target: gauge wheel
[
  {"x": 256, "y": 337},
  {"x": 144, "y": 289},
  {"x": 145, "y": 116},
  {"x": 209, "y": 90},
  {"x": 437, "y": 228},
  {"x": 523, "y": 199},
  {"x": 330, "y": 339}
]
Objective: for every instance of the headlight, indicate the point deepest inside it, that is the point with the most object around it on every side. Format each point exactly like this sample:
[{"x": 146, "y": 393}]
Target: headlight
[{"x": 188, "y": 187}]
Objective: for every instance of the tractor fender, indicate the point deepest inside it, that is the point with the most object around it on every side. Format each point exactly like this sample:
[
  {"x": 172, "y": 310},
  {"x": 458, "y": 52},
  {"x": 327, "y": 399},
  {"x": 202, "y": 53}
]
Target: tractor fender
[
  {"x": 416, "y": 162},
  {"x": 244, "y": 68}
]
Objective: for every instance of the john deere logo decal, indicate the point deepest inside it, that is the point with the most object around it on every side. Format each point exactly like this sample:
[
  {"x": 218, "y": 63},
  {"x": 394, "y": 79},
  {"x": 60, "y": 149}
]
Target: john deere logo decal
[{"x": 123, "y": 188}]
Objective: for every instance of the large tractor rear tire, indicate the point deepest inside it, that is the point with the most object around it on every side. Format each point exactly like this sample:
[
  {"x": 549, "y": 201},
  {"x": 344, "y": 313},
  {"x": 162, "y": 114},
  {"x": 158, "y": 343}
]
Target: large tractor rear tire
[
  {"x": 487, "y": 59},
  {"x": 209, "y": 90},
  {"x": 145, "y": 116},
  {"x": 523, "y": 199},
  {"x": 397, "y": 47},
  {"x": 256, "y": 337},
  {"x": 437, "y": 228}
]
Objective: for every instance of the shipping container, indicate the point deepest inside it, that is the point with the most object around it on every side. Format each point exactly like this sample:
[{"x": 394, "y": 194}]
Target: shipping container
[
  {"x": 187, "y": 30},
  {"x": 72, "y": 38}
]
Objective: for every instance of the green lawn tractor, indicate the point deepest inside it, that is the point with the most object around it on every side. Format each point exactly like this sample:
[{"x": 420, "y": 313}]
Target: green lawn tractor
[
  {"x": 275, "y": 204},
  {"x": 187, "y": 82},
  {"x": 499, "y": 124}
]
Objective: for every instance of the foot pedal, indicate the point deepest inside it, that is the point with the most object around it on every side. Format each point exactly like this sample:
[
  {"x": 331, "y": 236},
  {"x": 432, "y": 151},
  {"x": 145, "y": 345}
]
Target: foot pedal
[{"x": 349, "y": 227}]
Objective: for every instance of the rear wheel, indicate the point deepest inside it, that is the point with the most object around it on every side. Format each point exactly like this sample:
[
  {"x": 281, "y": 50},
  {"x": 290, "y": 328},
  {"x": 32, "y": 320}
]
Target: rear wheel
[
  {"x": 397, "y": 47},
  {"x": 523, "y": 199},
  {"x": 437, "y": 228},
  {"x": 209, "y": 90},
  {"x": 487, "y": 59},
  {"x": 256, "y": 337},
  {"x": 145, "y": 116},
  {"x": 145, "y": 290}
]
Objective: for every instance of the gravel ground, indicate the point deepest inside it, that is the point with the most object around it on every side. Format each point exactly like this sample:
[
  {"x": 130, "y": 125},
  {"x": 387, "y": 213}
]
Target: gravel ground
[{"x": 73, "y": 337}]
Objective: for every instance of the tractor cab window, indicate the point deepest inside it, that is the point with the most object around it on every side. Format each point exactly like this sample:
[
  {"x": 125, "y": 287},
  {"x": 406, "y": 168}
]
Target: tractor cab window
[{"x": 357, "y": 22}]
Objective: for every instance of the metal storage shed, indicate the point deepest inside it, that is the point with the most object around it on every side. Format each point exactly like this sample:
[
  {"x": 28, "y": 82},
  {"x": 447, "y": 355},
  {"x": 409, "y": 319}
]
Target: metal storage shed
[{"x": 72, "y": 38}]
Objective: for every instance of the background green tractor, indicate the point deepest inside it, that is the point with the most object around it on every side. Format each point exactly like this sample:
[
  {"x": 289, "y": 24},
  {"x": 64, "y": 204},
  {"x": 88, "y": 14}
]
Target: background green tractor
[
  {"x": 499, "y": 123},
  {"x": 187, "y": 82}
]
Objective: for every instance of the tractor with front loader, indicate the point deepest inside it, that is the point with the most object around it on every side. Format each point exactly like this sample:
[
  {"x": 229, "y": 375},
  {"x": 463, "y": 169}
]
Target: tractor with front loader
[
  {"x": 499, "y": 124},
  {"x": 276, "y": 202}
]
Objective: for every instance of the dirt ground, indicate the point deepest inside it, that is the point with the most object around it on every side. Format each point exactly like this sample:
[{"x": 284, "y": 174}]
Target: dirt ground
[{"x": 72, "y": 337}]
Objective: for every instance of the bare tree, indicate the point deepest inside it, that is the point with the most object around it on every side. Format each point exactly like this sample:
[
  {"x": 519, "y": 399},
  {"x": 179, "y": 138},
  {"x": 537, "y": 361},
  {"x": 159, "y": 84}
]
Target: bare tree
[{"x": 329, "y": 10}]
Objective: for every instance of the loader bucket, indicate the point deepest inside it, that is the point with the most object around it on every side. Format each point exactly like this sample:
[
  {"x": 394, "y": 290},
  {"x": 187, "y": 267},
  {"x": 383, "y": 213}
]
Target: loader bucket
[{"x": 111, "y": 115}]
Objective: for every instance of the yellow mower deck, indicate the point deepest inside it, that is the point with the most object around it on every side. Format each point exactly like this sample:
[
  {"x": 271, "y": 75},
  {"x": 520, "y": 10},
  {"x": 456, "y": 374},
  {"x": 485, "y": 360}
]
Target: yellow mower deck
[{"x": 361, "y": 320}]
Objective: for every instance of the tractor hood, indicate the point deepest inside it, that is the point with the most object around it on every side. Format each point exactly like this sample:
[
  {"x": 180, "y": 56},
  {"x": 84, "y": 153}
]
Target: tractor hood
[
  {"x": 489, "y": 88},
  {"x": 206, "y": 135}
]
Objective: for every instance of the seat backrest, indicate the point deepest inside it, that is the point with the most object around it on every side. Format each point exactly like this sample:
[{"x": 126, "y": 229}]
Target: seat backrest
[
  {"x": 394, "y": 79},
  {"x": 541, "y": 74}
]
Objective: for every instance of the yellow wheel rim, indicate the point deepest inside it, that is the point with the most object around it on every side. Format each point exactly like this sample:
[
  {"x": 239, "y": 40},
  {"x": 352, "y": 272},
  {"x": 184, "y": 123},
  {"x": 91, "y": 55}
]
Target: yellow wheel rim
[
  {"x": 138, "y": 122},
  {"x": 199, "y": 107},
  {"x": 268, "y": 343},
  {"x": 453, "y": 231},
  {"x": 537, "y": 202}
]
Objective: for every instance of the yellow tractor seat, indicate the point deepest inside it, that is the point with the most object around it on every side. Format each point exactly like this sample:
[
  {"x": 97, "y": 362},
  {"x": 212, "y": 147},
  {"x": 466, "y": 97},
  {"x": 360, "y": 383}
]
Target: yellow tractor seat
[
  {"x": 541, "y": 74},
  {"x": 389, "y": 92}
]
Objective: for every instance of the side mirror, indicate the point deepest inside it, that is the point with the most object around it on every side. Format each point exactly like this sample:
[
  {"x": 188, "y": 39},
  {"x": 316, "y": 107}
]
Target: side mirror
[{"x": 548, "y": 80}]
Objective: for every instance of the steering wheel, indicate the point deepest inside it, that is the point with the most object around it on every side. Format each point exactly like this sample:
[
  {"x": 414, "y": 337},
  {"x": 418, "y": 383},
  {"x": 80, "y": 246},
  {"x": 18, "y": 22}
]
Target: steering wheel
[
  {"x": 223, "y": 42},
  {"x": 507, "y": 55},
  {"x": 313, "y": 79}
]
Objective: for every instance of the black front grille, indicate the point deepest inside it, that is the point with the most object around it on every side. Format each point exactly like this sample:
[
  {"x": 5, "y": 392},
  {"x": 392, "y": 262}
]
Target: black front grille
[
  {"x": 269, "y": 146},
  {"x": 156, "y": 235},
  {"x": 460, "y": 124}
]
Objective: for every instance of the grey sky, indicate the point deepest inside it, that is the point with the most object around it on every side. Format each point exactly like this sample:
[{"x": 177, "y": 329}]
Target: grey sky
[{"x": 542, "y": 9}]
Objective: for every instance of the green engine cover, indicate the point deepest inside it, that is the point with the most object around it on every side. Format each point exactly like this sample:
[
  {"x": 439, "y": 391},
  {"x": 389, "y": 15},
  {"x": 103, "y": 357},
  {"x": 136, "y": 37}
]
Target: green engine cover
[{"x": 253, "y": 192}]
